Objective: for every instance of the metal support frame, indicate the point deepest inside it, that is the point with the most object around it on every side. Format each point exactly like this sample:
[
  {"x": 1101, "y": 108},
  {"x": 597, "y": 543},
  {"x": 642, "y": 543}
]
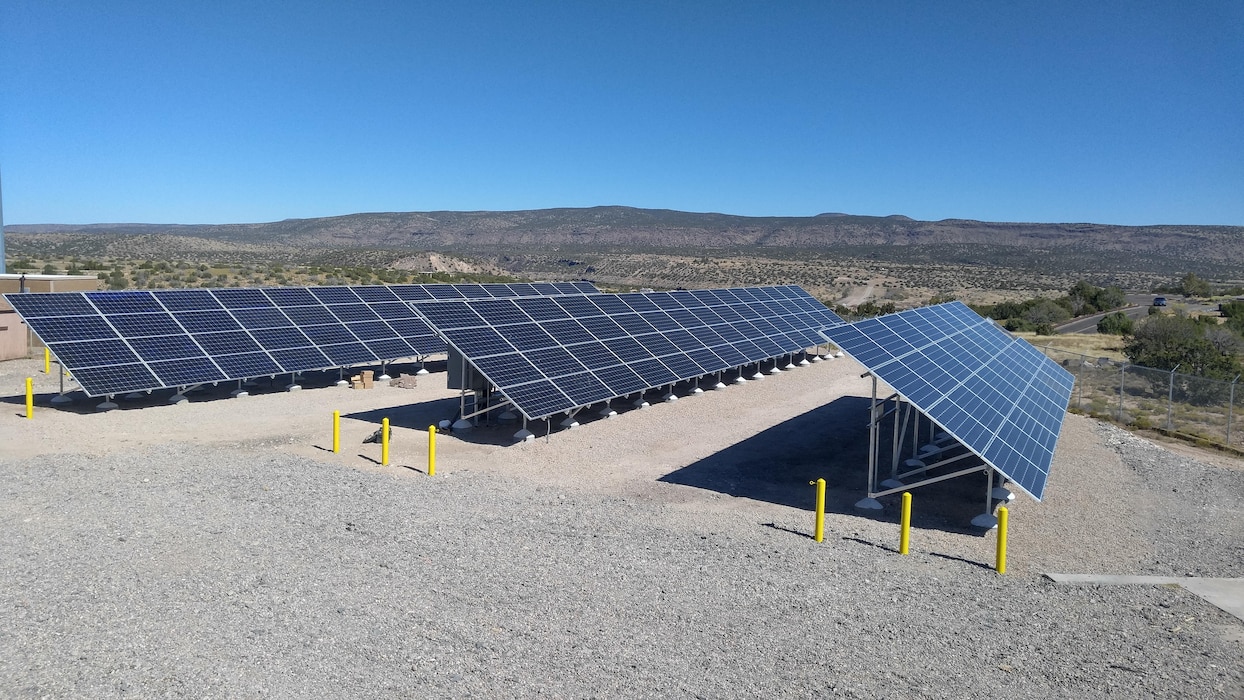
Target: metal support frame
[
  {"x": 1170, "y": 397},
  {"x": 1230, "y": 407}
]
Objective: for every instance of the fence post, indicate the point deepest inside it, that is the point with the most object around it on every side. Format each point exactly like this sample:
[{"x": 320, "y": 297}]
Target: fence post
[
  {"x": 1080, "y": 381},
  {"x": 1170, "y": 397},
  {"x": 1122, "y": 373},
  {"x": 1231, "y": 408}
]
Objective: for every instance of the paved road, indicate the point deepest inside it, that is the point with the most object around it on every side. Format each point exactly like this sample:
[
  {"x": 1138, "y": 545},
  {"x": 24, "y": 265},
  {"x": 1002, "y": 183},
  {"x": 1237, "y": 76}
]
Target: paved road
[{"x": 1139, "y": 309}]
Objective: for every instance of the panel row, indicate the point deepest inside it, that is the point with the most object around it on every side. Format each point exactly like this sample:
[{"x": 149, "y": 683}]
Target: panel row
[{"x": 553, "y": 355}]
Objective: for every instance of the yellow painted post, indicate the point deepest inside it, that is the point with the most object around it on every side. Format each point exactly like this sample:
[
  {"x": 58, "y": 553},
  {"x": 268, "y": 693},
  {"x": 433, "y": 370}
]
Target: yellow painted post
[
  {"x": 47, "y": 361},
  {"x": 30, "y": 398},
  {"x": 904, "y": 537},
  {"x": 1000, "y": 565},
  {"x": 431, "y": 450},
  {"x": 819, "y": 533},
  {"x": 336, "y": 431},
  {"x": 384, "y": 442}
]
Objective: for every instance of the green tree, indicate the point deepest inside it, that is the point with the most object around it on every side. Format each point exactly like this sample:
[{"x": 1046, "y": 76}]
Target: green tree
[
  {"x": 1117, "y": 323},
  {"x": 1193, "y": 286},
  {"x": 49, "y": 269},
  {"x": 1165, "y": 342},
  {"x": 1046, "y": 312}
]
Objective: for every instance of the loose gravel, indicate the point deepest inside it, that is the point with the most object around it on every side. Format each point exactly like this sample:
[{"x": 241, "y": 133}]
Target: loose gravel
[{"x": 218, "y": 549}]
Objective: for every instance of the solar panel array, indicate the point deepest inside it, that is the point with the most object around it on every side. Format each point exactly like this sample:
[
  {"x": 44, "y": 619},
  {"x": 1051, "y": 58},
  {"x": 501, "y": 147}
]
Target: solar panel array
[
  {"x": 123, "y": 341},
  {"x": 552, "y": 355},
  {"x": 996, "y": 394}
]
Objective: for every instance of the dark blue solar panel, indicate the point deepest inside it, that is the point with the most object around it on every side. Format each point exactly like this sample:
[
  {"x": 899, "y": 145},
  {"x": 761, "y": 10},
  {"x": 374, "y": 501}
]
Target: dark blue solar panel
[
  {"x": 657, "y": 345},
  {"x": 504, "y": 290},
  {"x": 528, "y": 336},
  {"x": 594, "y": 355},
  {"x": 513, "y": 367},
  {"x": 253, "y": 364},
  {"x": 709, "y": 360},
  {"x": 621, "y": 379},
  {"x": 412, "y": 292},
  {"x": 661, "y": 321},
  {"x": 478, "y": 342},
  {"x": 396, "y": 309},
  {"x": 195, "y": 370},
  {"x": 638, "y": 302},
  {"x": 539, "y": 399},
  {"x": 500, "y": 312},
  {"x": 451, "y": 314},
  {"x": 292, "y": 296},
  {"x": 374, "y": 294},
  {"x": 275, "y": 338},
  {"x": 627, "y": 349},
  {"x": 444, "y": 291},
  {"x": 473, "y": 291},
  {"x": 654, "y": 372},
  {"x": 682, "y": 366},
  {"x": 328, "y": 335},
  {"x": 124, "y": 302},
  {"x": 348, "y": 354},
  {"x": 541, "y": 309},
  {"x": 309, "y": 315},
  {"x": 611, "y": 304},
  {"x": 554, "y": 362},
  {"x": 371, "y": 330},
  {"x": 261, "y": 318},
  {"x": 136, "y": 325},
  {"x": 207, "y": 321},
  {"x": 300, "y": 359},
  {"x": 665, "y": 300},
  {"x": 579, "y": 306},
  {"x": 167, "y": 347},
  {"x": 335, "y": 295},
  {"x": 409, "y": 328},
  {"x": 116, "y": 379},
  {"x": 38, "y": 305},
  {"x": 603, "y": 328},
  {"x": 228, "y": 343},
  {"x": 186, "y": 299},
  {"x": 353, "y": 312},
  {"x": 546, "y": 288},
  {"x": 731, "y": 355},
  {"x": 241, "y": 298},
  {"x": 392, "y": 348},
  {"x": 997, "y": 395},
  {"x": 93, "y": 353},
  {"x": 567, "y": 332},
  {"x": 584, "y": 388},
  {"x": 51, "y": 329}
]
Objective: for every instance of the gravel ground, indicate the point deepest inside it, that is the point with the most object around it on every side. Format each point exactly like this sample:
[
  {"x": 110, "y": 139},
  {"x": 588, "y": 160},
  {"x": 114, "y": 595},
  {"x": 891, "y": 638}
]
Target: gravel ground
[{"x": 217, "y": 549}]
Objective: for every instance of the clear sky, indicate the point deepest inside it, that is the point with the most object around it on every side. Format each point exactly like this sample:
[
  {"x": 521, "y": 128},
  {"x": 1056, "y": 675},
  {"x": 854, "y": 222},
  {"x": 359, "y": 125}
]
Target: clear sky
[{"x": 215, "y": 112}]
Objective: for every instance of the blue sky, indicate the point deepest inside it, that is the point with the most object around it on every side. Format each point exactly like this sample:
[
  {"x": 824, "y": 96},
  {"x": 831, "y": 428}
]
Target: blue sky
[{"x": 180, "y": 112}]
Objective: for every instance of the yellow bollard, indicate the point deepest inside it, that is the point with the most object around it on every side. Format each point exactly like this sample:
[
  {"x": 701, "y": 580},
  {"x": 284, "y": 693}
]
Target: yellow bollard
[
  {"x": 431, "y": 450},
  {"x": 1000, "y": 565},
  {"x": 47, "y": 361},
  {"x": 30, "y": 398},
  {"x": 904, "y": 536},
  {"x": 384, "y": 442},
  {"x": 336, "y": 431},
  {"x": 819, "y": 533}
]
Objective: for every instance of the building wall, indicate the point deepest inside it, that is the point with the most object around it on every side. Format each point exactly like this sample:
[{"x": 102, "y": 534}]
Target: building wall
[{"x": 16, "y": 340}]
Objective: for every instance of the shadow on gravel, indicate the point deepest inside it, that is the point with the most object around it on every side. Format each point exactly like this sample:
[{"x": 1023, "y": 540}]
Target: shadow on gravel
[{"x": 829, "y": 442}]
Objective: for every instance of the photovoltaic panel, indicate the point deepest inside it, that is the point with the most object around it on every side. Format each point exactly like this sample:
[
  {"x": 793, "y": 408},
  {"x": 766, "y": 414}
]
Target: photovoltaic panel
[
  {"x": 123, "y": 341},
  {"x": 997, "y": 395},
  {"x": 628, "y": 342}
]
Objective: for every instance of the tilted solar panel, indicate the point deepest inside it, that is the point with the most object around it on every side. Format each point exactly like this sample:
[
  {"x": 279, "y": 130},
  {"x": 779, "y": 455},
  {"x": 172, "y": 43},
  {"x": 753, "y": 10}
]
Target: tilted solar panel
[
  {"x": 548, "y": 355},
  {"x": 122, "y": 341},
  {"x": 996, "y": 394}
]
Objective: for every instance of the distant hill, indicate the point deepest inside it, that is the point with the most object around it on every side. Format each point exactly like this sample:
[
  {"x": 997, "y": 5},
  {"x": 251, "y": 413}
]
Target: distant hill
[{"x": 615, "y": 226}]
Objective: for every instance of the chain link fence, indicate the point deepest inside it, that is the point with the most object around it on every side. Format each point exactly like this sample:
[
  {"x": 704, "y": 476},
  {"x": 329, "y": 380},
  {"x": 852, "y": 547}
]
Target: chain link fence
[{"x": 1195, "y": 407}]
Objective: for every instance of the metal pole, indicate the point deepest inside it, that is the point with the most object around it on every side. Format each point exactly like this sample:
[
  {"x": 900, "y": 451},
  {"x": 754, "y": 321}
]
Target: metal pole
[
  {"x": 1231, "y": 408},
  {"x": 1000, "y": 560},
  {"x": 1122, "y": 372},
  {"x": 1080, "y": 381},
  {"x": 818, "y": 533},
  {"x": 1170, "y": 397},
  {"x": 432, "y": 450},
  {"x": 904, "y": 536},
  {"x": 872, "y": 440}
]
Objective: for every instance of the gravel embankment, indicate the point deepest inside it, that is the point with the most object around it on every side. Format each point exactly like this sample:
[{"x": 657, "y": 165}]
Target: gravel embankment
[{"x": 215, "y": 549}]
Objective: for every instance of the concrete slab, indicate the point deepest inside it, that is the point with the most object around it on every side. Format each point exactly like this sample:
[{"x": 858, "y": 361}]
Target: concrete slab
[{"x": 1226, "y": 594}]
